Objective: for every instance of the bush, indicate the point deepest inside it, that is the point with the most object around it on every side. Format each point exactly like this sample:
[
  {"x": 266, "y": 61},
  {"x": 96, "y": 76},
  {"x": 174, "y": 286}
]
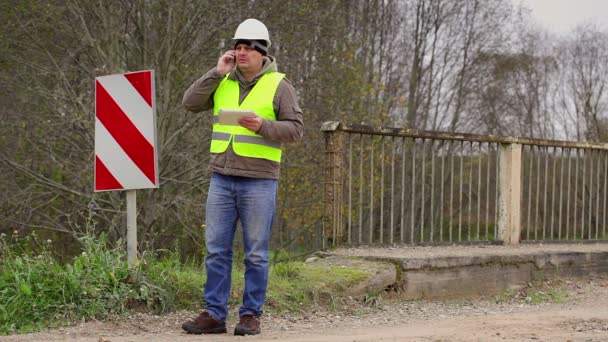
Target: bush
[
  {"x": 37, "y": 292},
  {"x": 166, "y": 283}
]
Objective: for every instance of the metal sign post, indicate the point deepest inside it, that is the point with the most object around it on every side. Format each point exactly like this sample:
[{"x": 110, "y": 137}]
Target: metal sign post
[{"x": 131, "y": 227}]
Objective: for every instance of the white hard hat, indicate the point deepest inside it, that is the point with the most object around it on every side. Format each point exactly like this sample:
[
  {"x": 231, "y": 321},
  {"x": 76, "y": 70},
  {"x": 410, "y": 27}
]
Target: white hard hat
[{"x": 252, "y": 29}]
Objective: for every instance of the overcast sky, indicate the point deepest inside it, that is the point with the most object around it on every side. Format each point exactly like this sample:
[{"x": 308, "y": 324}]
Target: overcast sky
[{"x": 560, "y": 16}]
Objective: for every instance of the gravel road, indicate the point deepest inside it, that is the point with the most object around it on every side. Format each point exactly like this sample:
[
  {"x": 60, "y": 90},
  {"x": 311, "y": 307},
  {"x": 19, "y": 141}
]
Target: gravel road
[{"x": 580, "y": 315}]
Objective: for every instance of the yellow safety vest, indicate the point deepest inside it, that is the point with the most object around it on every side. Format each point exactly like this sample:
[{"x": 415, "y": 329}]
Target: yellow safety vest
[{"x": 260, "y": 100}]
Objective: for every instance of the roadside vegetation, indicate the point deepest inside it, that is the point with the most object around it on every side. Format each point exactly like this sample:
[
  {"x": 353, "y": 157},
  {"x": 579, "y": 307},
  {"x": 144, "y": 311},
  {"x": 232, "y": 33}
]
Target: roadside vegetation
[
  {"x": 38, "y": 293},
  {"x": 536, "y": 293}
]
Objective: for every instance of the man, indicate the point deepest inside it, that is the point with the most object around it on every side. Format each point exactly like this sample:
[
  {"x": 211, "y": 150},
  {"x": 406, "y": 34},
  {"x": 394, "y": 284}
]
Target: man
[{"x": 245, "y": 161}]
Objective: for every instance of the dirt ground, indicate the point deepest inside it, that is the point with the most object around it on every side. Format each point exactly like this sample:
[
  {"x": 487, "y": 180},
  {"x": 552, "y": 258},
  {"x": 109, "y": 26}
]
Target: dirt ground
[{"x": 579, "y": 312}]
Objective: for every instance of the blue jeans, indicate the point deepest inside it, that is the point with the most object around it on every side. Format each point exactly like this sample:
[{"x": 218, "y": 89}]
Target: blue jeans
[{"x": 251, "y": 201}]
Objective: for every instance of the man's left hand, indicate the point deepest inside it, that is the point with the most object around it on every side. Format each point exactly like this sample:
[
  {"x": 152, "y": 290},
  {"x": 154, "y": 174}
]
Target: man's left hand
[{"x": 251, "y": 122}]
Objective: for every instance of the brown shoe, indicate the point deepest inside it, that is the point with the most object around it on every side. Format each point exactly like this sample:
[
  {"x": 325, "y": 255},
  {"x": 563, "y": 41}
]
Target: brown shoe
[
  {"x": 204, "y": 324},
  {"x": 248, "y": 325}
]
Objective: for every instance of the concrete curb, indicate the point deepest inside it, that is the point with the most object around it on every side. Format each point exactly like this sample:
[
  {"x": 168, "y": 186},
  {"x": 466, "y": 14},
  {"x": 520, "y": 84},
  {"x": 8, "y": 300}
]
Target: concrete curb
[{"x": 457, "y": 276}]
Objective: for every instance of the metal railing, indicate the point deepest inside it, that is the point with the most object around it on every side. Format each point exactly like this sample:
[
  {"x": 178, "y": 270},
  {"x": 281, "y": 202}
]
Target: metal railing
[
  {"x": 564, "y": 195},
  {"x": 401, "y": 186}
]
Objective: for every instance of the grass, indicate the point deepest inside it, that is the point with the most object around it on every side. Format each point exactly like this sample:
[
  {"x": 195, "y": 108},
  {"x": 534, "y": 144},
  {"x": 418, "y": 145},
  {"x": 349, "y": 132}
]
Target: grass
[
  {"x": 38, "y": 293},
  {"x": 535, "y": 294},
  {"x": 293, "y": 286},
  {"x": 545, "y": 296}
]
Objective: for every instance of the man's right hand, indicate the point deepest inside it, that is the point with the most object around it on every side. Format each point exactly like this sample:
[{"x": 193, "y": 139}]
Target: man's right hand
[{"x": 226, "y": 62}]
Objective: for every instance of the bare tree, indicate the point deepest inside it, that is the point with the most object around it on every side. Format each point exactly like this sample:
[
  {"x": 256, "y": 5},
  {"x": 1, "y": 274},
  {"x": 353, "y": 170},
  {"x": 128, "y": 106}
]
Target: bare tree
[
  {"x": 583, "y": 97},
  {"x": 439, "y": 65},
  {"x": 63, "y": 46}
]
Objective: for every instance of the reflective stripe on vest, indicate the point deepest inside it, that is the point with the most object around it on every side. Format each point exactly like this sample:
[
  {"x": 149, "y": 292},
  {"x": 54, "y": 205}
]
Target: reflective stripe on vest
[
  {"x": 258, "y": 140},
  {"x": 261, "y": 100}
]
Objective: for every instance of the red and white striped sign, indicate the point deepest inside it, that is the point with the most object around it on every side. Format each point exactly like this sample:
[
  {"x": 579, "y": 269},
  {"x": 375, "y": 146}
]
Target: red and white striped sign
[{"x": 125, "y": 132}]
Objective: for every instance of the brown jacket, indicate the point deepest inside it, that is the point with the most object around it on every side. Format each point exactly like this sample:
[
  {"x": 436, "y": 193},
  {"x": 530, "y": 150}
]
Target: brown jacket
[{"x": 288, "y": 127}]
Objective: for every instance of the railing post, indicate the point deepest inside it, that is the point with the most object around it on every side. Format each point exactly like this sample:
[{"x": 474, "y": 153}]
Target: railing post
[
  {"x": 332, "y": 192},
  {"x": 509, "y": 196}
]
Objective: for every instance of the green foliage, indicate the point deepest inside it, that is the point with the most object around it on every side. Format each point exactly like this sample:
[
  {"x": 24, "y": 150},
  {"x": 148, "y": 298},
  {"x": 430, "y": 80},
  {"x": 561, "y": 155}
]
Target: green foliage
[
  {"x": 294, "y": 285},
  {"x": 535, "y": 294},
  {"x": 373, "y": 298},
  {"x": 288, "y": 270},
  {"x": 166, "y": 283},
  {"x": 545, "y": 296},
  {"x": 37, "y": 292}
]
